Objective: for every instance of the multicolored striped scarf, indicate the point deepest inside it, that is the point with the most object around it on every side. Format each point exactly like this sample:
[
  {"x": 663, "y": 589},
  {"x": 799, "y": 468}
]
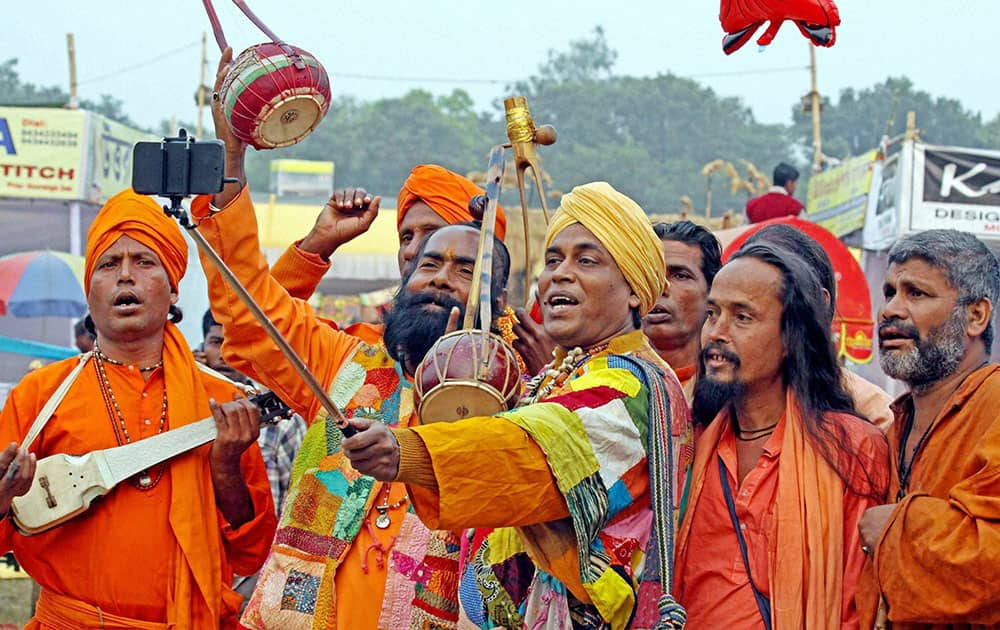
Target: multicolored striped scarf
[{"x": 584, "y": 571}]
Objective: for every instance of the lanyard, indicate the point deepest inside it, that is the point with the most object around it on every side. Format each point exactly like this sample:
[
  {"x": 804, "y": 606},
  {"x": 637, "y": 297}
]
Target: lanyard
[
  {"x": 763, "y": 603},
  {"x": 905, "y": 470}
]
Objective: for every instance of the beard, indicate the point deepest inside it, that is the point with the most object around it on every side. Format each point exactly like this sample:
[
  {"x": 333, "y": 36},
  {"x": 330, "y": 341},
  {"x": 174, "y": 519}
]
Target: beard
[
  {"x": 931, "y": 358},
  {"x": 411, "y": 328},
  {"x": 710, "y": 394}
]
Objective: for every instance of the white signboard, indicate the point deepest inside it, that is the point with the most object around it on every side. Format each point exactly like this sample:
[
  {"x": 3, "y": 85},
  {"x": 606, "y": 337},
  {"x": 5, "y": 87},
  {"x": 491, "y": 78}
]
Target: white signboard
[{"x": 955, "y": 187}]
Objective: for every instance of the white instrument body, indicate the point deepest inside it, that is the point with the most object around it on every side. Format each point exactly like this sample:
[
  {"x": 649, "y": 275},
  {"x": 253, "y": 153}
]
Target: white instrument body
[{"x": 65, "y": 485}]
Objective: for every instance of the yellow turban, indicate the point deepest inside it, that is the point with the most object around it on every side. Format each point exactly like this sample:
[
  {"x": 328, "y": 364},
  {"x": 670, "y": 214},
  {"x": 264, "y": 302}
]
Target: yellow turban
[{"x": 624, "y": 229}]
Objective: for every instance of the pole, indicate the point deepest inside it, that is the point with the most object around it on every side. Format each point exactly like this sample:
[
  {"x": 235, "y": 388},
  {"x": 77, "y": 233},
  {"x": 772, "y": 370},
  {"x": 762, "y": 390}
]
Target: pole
[
  {"x": 201, "y": 86},
  {"x": 708, "y": 198},
  {"x": 814, "y": 96},
  {"x": 74, "y": 99}
]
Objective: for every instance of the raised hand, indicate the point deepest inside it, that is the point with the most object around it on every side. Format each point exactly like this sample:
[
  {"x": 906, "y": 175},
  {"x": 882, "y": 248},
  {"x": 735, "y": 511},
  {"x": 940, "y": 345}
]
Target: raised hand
[
  {"x": 235, "y": 148},
  {"x": 348, "y": 214}
]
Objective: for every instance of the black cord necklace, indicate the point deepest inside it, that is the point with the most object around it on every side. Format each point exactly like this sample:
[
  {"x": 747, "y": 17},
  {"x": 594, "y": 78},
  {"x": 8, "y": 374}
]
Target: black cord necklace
[{"x": 903, "y": 468}]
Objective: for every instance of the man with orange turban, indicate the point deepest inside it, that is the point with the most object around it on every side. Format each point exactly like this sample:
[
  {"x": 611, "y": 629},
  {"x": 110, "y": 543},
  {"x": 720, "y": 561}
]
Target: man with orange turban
[
  {"x": 159, "y": 550},
  {"x": 431, "y": 198}
]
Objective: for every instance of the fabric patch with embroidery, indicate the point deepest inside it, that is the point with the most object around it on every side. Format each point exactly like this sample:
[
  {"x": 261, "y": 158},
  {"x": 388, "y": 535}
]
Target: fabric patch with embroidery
[{"x": 300, "y": 592}]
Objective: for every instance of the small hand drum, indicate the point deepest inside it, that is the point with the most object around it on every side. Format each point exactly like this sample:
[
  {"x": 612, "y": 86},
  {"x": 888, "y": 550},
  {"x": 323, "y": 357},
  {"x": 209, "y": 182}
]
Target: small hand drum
[
  {"x": 275, "y": 95},
  {"x": 467, "y": 373}
]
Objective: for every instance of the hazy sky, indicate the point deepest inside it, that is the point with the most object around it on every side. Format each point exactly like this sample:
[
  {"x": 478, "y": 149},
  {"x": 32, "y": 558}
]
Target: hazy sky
[{"x": 946, "y": 48}]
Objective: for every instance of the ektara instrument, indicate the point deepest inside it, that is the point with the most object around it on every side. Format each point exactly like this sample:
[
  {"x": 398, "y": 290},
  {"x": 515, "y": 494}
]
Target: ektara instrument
[
  {"x": 472, "y": 372},
  {"x": 64, "y": 486}
]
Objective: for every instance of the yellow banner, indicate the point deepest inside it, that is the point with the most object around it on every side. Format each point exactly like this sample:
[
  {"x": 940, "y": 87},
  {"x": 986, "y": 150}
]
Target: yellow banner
[
  {"x": 837, "y": 198},
  {"x": 112, "y": 144},
  {"x": 42, "y": 152}
]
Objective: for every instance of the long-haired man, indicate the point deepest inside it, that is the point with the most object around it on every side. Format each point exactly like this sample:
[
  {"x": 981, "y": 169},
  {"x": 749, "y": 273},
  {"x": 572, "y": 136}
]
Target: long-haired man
[{"x": 785, "y": 469}]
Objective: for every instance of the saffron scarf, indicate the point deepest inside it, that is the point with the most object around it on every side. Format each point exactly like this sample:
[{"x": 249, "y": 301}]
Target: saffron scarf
[{"x": 807, "y": 546}]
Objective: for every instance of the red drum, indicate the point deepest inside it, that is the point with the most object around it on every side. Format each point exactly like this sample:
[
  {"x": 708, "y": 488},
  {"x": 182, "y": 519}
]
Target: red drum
[
  {"x": 467, "y": 373},
  {"x": 275, "y": 95}
]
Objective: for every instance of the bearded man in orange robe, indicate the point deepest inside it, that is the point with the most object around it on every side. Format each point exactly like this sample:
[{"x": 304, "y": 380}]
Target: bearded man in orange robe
[
  {"x": 935, "y": 551},
  {"x": 160, "y": 549},
  {"x": 786, "y": 467}
]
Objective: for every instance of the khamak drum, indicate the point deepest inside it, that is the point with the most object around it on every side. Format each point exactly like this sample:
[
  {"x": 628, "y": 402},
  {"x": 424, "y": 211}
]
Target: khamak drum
[
  {"x": 275, "y": 95},
  {"x": 467, "y": 373}
]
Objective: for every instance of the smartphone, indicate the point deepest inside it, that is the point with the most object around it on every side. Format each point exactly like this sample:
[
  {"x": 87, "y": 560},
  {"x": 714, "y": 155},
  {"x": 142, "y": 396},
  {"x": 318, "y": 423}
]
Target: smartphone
[{"x": 178, "y": 167}]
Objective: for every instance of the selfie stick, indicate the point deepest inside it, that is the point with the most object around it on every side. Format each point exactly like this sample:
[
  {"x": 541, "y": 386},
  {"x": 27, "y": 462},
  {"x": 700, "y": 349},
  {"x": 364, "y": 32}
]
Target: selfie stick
[{"x": 333, "y": 413}]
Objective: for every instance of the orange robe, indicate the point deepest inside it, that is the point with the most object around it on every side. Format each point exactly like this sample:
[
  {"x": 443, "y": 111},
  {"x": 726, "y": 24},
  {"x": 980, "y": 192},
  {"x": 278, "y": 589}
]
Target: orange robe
[
  {"x": 807, "y": 590},
  {"x": 937, "y": 562},
  {"x": 360, "y": 580},
  {"x": 300, "y": 272},
  {"x": 143, "y": 555}
]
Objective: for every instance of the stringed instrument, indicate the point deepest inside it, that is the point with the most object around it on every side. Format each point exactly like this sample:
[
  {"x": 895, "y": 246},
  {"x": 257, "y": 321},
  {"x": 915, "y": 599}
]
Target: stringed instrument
[
  {"x": 65, "y": 485},
  {"x": 472, "y": 372}
]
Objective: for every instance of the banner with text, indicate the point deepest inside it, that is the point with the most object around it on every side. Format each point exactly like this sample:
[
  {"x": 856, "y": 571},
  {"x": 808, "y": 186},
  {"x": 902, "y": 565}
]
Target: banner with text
[
  {"x": 42, "y": 152},
  {"x": 957, "y": 188},
  {"x": 111, "y": 145},
  {"x": 838, "y": 198}
]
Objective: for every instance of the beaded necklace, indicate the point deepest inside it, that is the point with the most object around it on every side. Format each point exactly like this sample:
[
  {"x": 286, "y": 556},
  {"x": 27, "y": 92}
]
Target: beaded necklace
[
  {"x": 538, "y": 388},
  {"x": 143, "y": 481}
]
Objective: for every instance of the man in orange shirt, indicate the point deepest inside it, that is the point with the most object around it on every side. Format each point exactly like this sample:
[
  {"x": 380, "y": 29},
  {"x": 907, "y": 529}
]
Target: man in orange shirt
[
  {"x": 349, "y": 552},
  {"x": 160, "y": 550},
  {"x": 784, "y": 471},
  {"x": 935, "y": 551},
  {"x": 693, "y": 257}
]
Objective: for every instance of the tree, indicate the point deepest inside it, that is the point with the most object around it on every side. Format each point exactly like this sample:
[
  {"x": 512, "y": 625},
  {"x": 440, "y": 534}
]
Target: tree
[
  {"x": 17, "y": 93},
  {"x": 376, "y": 144},
  {"x": 859, "y": 119},
  {"x": 648, "y": 136}
]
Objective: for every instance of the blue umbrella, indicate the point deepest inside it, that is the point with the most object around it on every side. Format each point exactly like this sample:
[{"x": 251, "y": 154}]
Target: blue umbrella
[{"x": 42, "y": 283}]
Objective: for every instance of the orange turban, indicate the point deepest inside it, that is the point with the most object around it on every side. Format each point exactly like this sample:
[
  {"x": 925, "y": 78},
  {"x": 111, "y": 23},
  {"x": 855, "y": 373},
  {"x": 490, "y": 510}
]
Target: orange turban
[
  {"x": 447, "y": 194},
  {"x": 140, "y": 217}
]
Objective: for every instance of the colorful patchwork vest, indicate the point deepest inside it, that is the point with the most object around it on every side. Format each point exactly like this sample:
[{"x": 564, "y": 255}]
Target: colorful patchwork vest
[
  {"x": 325, "y": 510},
  {"x": 599, "y": 460}
]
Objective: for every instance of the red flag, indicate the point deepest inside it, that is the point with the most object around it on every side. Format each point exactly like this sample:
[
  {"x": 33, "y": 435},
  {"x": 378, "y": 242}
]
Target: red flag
[{"x": 740, "y": 19}]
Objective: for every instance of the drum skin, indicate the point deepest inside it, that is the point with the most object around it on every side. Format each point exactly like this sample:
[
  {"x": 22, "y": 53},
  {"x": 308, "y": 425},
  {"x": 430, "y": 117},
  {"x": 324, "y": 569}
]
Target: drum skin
[
  {"x": 467, "y": 373},
  {"x": 269, "y": 101}
]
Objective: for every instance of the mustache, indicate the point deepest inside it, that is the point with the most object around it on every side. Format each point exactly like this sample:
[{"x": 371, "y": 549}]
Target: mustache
[
  {"x": 714, "y": 347},
  {"x": 904, "y": 329},
  {"x": 429, "y": 297}
]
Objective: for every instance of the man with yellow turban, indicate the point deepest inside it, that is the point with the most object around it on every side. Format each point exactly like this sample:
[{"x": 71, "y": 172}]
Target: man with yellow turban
[
  {"x": 574, "y": 491},
  {"x": 159, "y": 550}
]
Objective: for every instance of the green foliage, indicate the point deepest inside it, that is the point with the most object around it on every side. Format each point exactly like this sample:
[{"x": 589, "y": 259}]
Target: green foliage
[
  {"x": 16, "y": 92},
  {"x": 375, "y": 144},
  {"x": 649, "y": 136},
  {"x": 860, "y": 118}
]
